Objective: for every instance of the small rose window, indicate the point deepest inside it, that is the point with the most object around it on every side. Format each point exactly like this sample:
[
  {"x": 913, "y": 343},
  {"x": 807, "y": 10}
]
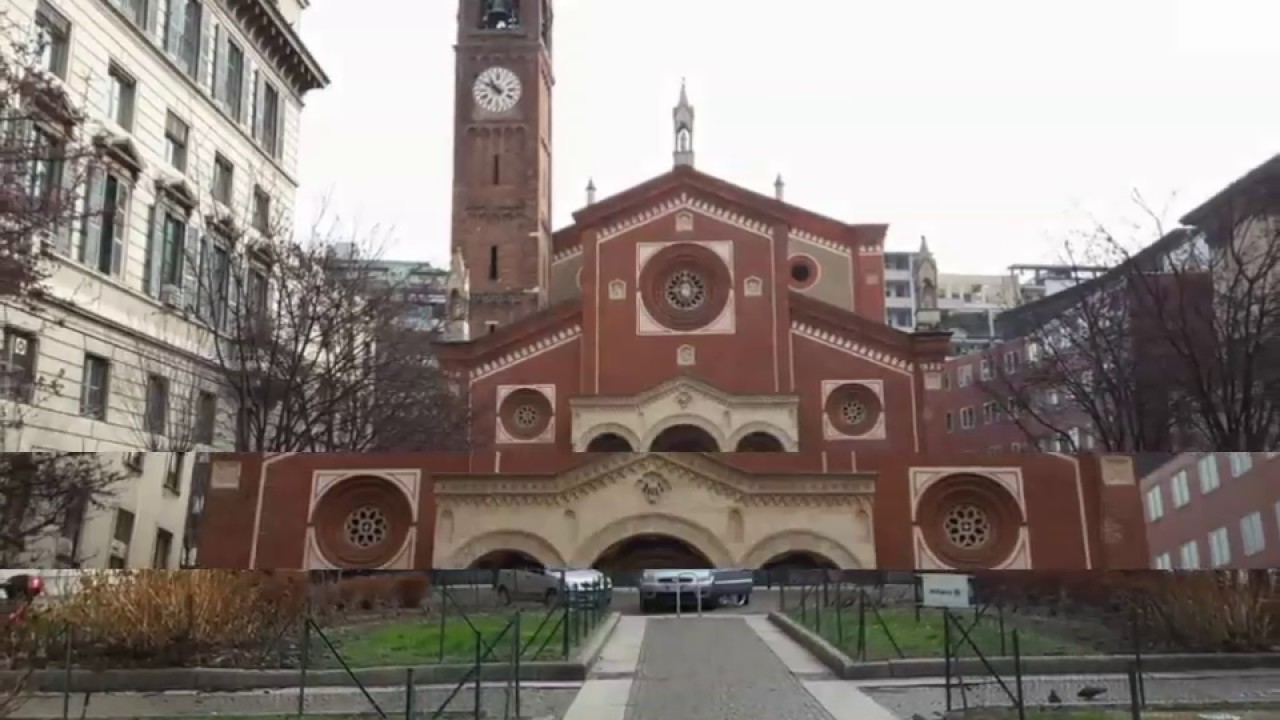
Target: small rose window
[
  {"x": 526, "y": 417},
  {"x": 854, "y": 412},
  {"x": 967, "y": 527},
  {"x": 367, "y": 527},
  {"x": 686, "y": 290}
]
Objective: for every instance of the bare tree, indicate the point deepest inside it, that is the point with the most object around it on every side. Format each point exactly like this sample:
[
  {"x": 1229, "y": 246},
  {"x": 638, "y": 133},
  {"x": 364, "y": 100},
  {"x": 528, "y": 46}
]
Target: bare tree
[
  {"x": 312, "y": 346},
  {"x": 1177, "y": 348},
  {"x": 43, "y": 158},
  {"x": 42, "y": 494}
]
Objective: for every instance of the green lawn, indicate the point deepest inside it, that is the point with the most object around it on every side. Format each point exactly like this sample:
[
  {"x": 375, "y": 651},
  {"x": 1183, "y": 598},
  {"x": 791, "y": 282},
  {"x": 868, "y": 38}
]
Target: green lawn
[
  {"x": 924, "y": 638},
  {"x": 422, "y": 642}
]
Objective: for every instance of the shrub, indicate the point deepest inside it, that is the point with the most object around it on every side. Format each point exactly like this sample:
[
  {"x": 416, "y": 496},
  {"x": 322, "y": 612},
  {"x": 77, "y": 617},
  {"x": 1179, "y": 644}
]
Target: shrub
[{"x": 179, "y": 618}]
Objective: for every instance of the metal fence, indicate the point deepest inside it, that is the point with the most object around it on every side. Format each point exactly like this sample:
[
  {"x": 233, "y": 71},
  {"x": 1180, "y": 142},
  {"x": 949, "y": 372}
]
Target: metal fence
[
  {"x": 391, "y": 642},
  {"x": 1040, "y": 641}
]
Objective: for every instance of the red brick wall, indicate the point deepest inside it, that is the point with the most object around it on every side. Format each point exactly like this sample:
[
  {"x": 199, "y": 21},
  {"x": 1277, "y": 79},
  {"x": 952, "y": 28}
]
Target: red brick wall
[
  {"x": 1051, "y": 490},
  {"x": 1257, "y": 490}
]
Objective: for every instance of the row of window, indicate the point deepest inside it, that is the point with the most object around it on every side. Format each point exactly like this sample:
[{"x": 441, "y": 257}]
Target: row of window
[
  {"x": 122, "y": 533},
  {"x": 1253, "y": 540},
  {"x": 186, "y": 34},
  {"x": 18, "y": 380},
  {"x": 177, "y": 259},
  {"x": 1208, "y": 480}
]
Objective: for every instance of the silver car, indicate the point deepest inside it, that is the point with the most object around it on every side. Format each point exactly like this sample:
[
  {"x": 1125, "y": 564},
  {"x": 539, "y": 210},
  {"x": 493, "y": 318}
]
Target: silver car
[
  {"x": 690, "y": 588},
  {"x": 550, "y": 585}
]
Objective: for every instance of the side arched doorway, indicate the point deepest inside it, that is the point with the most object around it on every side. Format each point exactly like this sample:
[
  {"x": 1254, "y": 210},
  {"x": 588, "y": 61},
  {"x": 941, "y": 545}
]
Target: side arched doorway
[
  {"x": 684, "y": 438},
  {"x": 799, "y": 560},
  {"x": 651, "y": 552},
  {"x": 609, "y": 443},
  {"x": 759, "y": 442}
]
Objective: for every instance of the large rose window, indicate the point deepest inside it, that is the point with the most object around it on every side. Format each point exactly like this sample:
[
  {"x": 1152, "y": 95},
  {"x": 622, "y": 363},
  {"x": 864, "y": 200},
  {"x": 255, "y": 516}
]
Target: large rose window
[{"x": 685, "y": 286}]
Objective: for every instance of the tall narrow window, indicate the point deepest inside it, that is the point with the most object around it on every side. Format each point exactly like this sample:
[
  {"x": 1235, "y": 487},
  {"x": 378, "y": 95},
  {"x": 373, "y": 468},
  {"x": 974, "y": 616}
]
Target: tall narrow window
[
  {"x": 157, "y": 405},
  {"x": 493, "y": 262},
  {"x": 53, "y": 34},
  {"x": 497, "y": 169}
]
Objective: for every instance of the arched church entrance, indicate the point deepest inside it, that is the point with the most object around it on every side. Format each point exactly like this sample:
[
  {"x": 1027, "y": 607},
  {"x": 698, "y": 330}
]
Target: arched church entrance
[
  {"x": 684, "y": 438},
  {"x": 506, "y": 560},
  {"x": 651, "y": 552}
]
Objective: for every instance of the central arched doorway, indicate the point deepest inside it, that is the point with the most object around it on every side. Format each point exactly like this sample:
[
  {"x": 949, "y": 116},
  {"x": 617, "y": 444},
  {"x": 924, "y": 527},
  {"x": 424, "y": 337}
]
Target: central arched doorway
[
  {"x": 506, "y": 560},
  {"x": 799, "y": 560},
  {"x": 684, "y": 438},
  {"x": 651, "y": 552}
]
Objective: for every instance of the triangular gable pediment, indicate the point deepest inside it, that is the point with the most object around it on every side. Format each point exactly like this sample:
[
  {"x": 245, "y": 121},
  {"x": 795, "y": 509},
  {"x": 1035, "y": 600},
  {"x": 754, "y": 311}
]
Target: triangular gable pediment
[
  {"x": 726, "y": 200},
  {"x": 702, "y": 469}
]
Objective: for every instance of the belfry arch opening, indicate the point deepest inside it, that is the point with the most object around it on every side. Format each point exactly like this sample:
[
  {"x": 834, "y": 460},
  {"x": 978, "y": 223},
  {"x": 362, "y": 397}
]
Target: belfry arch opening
[
  {"x": 759, "y": 442},
  {"x": 684, "y": 438},
  {"x": 651, "y": 552},
  {"x": 609, "y": 442},
  {"x": 506, "y": 560}
]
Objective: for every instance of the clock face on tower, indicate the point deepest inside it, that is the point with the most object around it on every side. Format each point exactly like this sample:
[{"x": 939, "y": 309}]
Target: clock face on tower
[{"x": 497, "y": 89}]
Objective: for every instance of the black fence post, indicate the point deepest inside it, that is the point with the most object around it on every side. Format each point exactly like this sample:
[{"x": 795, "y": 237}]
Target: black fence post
[
  {"x": 1136, "y": 631},
  {"x": 515, "y": 666},
  {"x": 304, "y": 660},
  {"x": 839, "y": 616},
  {"x": 946, "y": 653},
  {"x": 1135, "y": 702},
  {"x": 1000, "y": 616},
  {"x": 564, "y": 635},
  {"x": 862, "y": 625},
  {"x": 444, "y": 617},
  {"x": 410, "y": 690},
  {"x": 68, "y": 661},
  {"x": 479, "y": 673},
  {"x": 1017, "y": 676}
]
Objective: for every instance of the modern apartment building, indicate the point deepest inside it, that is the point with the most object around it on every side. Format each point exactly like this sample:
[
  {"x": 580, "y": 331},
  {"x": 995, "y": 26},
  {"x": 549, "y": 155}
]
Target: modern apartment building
[
  {"x": 195, "y": 105},
  {"x": 1210, "y": 510}
]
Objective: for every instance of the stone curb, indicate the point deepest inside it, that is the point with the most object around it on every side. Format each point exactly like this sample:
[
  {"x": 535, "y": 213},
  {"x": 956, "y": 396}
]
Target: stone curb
[
  {"x": 146, "y": 680},
  {"x": 846, "y": 668}
]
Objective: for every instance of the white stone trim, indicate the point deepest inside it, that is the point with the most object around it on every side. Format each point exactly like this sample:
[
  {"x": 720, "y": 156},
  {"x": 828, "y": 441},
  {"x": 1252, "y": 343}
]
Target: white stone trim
[
  {"x": 808, "y": 237},
  {"x": 830, "y": 339},
  {"x": 566, "y": 254},
  {"x": 684, "y": 201},
  {"x": 533, "y": 349}
]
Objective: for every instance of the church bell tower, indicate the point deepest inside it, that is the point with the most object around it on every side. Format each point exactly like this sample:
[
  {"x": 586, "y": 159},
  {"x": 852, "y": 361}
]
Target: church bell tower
[{"x": 502, "y": 158}]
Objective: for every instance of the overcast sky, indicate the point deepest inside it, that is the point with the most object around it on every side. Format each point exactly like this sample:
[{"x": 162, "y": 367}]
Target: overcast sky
[{"x": 991, "y": 126}]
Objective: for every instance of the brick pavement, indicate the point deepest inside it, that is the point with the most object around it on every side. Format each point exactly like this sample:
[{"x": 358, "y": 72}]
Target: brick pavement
[{"x": 715, "y": 669}]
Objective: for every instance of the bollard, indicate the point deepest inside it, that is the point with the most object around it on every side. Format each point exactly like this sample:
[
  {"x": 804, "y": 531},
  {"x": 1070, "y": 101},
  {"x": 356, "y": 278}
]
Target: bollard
[{"x": 409, "y": 691}]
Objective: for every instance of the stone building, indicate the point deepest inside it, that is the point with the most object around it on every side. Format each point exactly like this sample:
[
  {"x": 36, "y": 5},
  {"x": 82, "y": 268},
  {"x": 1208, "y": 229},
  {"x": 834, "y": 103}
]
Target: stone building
[
  {"x": 196, "y": 106},
  {"x": 691, "y": 374}
]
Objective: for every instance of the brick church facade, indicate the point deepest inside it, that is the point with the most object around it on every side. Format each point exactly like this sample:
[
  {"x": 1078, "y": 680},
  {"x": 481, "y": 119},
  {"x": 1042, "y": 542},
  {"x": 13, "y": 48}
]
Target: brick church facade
[{"x": 691, "y": 373}]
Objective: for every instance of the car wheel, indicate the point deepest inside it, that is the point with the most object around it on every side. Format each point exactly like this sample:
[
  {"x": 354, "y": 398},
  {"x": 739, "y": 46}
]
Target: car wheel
[{"x": 504, "y": 597}]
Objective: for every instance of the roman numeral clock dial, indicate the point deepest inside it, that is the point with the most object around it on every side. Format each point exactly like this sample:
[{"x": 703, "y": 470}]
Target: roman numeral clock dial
[{"x": 497, "y": 90}]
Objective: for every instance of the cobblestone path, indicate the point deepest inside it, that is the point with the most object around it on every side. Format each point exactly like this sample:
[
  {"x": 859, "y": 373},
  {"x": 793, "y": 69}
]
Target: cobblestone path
[{"x": 715, "y": 669}]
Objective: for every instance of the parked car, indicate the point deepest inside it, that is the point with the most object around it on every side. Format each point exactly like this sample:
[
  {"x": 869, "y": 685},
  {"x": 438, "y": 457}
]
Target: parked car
[
  {"x": 660, "y": 589},
  {"x": 552, "y": 585}
]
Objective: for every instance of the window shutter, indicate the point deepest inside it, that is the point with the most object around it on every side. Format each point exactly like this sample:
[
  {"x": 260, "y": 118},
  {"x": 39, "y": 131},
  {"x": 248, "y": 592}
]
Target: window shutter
[
  {"x": 190, "y": 260},
  {"x": 177, "y": 22},
  {"x": 259, "y": 91},
  {"x": 95, "y": 206},
  {"x": 121, "y": 229},
  {"x": 219, "y": 66},
  {"x": 63, "y": 238},
  {"x": 155, "y": 246},
  {"x": 247, "y": 89},
  {"x": 207, "y": 38},
  {"x": 204, "y": 289},
  {"x": 154, "y": 26}
]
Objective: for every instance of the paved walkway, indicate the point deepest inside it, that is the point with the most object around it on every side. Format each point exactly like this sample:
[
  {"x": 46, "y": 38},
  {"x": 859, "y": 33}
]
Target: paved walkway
[{"x": 714, "y": 668}]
